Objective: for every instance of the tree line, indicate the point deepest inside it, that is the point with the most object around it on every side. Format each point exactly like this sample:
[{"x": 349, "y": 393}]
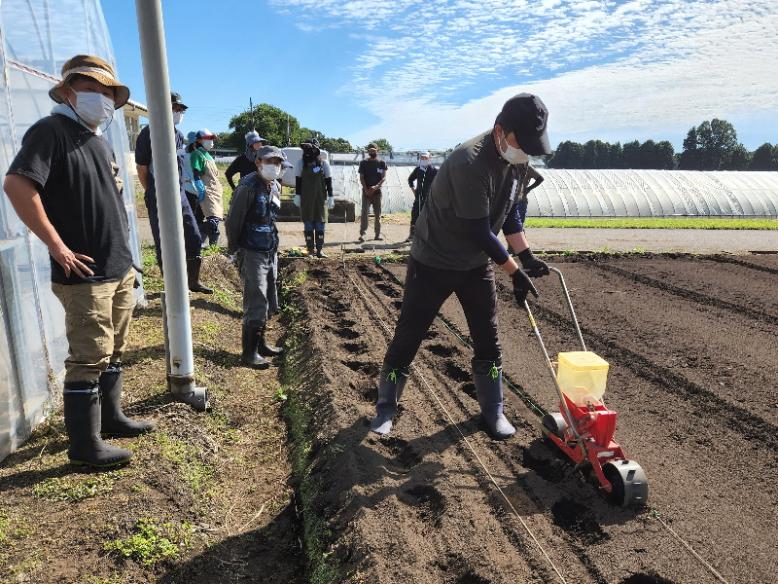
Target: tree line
[
  {"x": 282, "y": 129},
  {"x": 712, "y": 145}
]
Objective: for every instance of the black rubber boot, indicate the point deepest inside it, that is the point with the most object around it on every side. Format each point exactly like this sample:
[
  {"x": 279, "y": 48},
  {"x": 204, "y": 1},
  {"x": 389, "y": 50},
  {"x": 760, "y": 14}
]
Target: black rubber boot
[
  {"x": 410, "y": 234},
  {"x": 487, "y": 377},
  {"x": 250, "y": 357},
  {"x": 193, "y": 266},
  {"x": 309, "y": 242},
  {"x": 390, "y": 388},
  {"x": 263, "y": 348},
  {"x": 320, "y": 244},
  {"x": 113, "y": 422},
  {"x": 82, "y": 421}
]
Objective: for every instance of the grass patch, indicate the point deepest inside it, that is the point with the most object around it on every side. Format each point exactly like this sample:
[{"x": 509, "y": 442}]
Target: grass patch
[
  {"x": 74, "y": 488},
  {"x": 654, "y": 223},
  {"x": 196, "y": 473},
  {"x": 152, "y": 542}
]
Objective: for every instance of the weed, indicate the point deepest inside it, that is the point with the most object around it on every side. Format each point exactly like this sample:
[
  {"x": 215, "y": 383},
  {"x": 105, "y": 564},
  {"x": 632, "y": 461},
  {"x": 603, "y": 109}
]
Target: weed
[
  {"x": 151, "y": 542},
  {"x": 212, "y": 250},
  {"x": 196, "y": 473},
  {"x": 74, "y": 488},
  {"x": 280, "y": 394},
  {"x": 225, "y": 298}
]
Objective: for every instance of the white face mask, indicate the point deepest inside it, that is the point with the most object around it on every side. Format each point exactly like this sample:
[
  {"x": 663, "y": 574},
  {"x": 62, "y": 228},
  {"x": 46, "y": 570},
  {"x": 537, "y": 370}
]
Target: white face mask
[
  {"x": 511, "y": 154},
  {"x": 208, "y": 144},
  {"x": 178, "y": 117},
  {"x": 270, "y": 171},
  {"x": 93, "y": 108},
  {"x": 424, "y": 163}
]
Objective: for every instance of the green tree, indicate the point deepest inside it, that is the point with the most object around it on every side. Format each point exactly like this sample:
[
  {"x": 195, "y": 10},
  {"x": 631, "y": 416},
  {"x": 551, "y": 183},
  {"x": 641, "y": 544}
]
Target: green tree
[
  {"x": 383, "y": 145},
  {"x": 567, "y": 155},
  {"x": 631, "y": 157},
  {"x": 764, "y": 158},
  {"x": 647, "y": 157},
  {"x": 690, "y": 158},
  {"x": 615, "y": 156},
  {"x": 665, "y": 155},
  {"x": 739, "y": 159},
  {"x": 273, "y": 124},
  {"x": 716, "y": 139},
  {"x": 336, "y": 145}
]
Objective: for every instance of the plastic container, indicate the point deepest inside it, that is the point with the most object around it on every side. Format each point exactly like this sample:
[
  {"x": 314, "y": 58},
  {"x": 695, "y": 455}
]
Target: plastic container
[{"x": 582, "y": 376}]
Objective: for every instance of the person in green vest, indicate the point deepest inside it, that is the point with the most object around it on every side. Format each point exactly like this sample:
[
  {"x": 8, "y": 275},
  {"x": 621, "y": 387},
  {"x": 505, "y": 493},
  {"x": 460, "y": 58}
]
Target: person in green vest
[
  {"x": 313, "y": 185},
  {"x": 209, "y": 188}
]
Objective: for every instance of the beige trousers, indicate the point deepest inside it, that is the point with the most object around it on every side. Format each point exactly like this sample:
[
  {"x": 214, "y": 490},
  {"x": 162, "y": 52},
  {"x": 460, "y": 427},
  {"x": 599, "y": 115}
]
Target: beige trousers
[{"x": 97, "y": 320}]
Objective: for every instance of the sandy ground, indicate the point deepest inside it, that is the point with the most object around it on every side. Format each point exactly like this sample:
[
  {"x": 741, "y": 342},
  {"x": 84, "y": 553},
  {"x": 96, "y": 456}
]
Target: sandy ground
[{"x": 395, "y": 231}]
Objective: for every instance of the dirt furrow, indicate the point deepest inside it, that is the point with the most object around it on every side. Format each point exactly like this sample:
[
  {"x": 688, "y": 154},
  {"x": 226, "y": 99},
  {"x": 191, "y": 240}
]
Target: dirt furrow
[{"x": 767, "y": 263}]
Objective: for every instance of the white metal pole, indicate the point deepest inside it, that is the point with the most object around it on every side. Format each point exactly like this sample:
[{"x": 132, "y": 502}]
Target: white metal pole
[{"x": 171, "y": 232}]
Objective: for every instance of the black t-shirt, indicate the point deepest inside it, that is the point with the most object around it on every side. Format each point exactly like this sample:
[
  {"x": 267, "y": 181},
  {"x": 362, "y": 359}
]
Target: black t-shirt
[
  {"x": 72, "y": 169},
  {"x": 373, "y": 169},
  {"x": 143, "y": 158}
]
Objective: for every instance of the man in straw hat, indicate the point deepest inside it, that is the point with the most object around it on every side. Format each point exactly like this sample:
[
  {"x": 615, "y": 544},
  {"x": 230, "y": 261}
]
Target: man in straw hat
[{"x": 63, "y": 186}]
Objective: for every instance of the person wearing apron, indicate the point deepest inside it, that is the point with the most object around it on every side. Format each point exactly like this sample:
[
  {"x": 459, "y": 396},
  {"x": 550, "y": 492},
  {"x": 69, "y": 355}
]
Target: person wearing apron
[
  {"x": 208, "y": 185},
  {"x": 313, "y": 185}
]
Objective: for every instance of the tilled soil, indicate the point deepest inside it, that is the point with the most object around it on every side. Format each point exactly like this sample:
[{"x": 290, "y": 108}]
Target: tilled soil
[{"x": 691, "y": 343}]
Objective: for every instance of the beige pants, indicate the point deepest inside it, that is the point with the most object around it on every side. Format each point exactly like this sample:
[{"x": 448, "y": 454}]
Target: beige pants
[{"x": 97, "y": 320}]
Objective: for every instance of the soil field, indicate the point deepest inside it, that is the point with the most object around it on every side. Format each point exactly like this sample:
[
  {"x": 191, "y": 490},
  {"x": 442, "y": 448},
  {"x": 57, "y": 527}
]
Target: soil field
[{"x": 692, "y": 347}]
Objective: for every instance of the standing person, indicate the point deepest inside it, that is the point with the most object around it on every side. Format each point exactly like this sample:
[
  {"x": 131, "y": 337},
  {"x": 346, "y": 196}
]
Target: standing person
[
  {"x": 313, "y": 183},
  {"x": 533, "y": 175},
  {"x": 189, "y": 187},
  {"x": 209, "y": 187},
  {"x": 422, "y": 175},
  {"x": 472, "y": 198},
  {"x": 372, "y": 174},
  {"x": 251, "y": 232},
  {"x": 63, "y": 186},
  {"x": 145, "y": 167},
  {"x": 244, "y": 163}
]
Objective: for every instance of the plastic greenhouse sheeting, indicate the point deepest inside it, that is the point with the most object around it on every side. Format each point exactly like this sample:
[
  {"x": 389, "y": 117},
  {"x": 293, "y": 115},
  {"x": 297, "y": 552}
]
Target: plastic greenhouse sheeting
[
  {"x": 607, "y": 193},
  {"x": 36, "y": 38}
]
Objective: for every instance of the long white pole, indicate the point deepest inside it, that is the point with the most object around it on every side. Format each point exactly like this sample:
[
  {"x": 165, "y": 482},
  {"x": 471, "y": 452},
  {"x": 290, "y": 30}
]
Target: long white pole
[{"x": 171, "y": 232}]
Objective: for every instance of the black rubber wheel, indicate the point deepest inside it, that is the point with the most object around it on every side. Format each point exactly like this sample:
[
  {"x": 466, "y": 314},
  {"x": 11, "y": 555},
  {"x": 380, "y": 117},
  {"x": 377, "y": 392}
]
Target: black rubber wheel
[{"x": 628, "y": 481}]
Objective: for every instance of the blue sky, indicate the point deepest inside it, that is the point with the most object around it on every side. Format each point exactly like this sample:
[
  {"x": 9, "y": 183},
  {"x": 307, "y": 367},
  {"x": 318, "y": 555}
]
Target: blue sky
[{"x": 431, "y": 74}]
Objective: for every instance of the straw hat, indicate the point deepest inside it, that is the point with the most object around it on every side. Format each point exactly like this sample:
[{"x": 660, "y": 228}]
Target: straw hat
[{"x": 97, "y": 69}]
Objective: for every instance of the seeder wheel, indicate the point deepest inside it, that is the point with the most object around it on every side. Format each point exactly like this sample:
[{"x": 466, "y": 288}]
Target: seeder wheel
[
  {"x": 555, "y": 423},
  {"x": 630, "y": 485}
]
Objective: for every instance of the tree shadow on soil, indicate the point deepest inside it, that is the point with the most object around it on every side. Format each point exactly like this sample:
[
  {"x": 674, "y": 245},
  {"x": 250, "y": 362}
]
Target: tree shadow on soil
[
  {"x": 29, "y": 478},
  {"x": 271, "y": 555}
]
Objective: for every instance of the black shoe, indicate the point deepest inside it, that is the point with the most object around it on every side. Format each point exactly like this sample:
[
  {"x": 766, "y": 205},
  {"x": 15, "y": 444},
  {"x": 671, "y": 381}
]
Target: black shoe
[
  {"x": 82, "y": 421},
  {"x": 378, "y": 237},
  {"x": 309, "y": 245},
  {"x": 250, "y": 357},
  {"x": 264, "y": 348},
  {"x": 320, "y": 244},
  {"x": 361, "y": 239},
  {"x": 113, "y": 422},
  {"x": 193, "y": 266}
]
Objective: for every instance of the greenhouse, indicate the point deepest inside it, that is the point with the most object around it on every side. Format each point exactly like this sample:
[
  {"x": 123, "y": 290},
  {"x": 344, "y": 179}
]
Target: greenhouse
[{"x": 36, "y": 37}]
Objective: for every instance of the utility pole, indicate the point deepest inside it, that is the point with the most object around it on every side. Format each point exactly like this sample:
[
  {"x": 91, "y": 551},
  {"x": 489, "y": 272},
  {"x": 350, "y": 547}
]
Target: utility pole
[{"x": 178, "y": 324}]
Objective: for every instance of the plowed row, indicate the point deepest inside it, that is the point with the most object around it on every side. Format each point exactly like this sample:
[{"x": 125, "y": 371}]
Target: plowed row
[{"x": 691, "y": 342}]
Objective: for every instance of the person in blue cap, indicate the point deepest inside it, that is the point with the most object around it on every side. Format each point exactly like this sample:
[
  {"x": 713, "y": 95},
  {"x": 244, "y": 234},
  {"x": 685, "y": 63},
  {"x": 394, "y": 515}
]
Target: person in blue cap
[{"x": 244, "y": 163}]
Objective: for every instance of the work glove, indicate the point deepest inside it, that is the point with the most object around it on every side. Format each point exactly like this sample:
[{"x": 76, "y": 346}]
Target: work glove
[
  {"x": 532, "y": 265},
  {"x": 522, "y": 285},
  {"x": 296, "y": 200},
  {"x": 330, "y": 203},
  {"x": 200, "y": 186}
]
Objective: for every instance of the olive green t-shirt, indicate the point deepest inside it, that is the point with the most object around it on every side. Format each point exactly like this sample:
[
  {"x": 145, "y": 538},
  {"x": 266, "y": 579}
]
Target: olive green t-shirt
[{"x": 474, "y": 182}]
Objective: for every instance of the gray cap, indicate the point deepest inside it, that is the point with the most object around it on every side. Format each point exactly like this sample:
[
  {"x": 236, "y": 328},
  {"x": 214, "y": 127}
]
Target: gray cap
[{"x": 269, "y": 152}]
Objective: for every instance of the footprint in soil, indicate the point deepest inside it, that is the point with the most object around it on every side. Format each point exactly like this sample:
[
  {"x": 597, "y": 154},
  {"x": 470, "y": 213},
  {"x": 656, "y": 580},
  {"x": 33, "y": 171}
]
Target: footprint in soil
[
  {"x": 345, "y": 322},
  {"x": 469, "y": 389},
  {"x": 367, "y": 368},
  {"x": 319, "y": 274},
  {"x": 646, "y": 579},
  {"x": 403, "y": 453},
  {"x": 460, "y": 571},
  {"x": 388, "y": 290},
  {"x": 545, "y": 465},
  {"x": 428, "y": 500},
  {"x": 441, "y": 350},
  {"x": 344, "y": 333},
  {"x": 431, "y": 335},
  {"x": 355, "y": 347},
  {"x": 457, "y": 373},
  {"x": 578, "y": 520}
]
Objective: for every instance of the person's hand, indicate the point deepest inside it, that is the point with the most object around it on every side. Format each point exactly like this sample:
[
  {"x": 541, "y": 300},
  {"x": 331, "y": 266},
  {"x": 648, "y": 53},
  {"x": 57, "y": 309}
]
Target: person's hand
[
  {"x": 72, "y": 262},
  {"x": 532, "y": 265},
  {"x": 330, "y": 203},
  {"x": 200, "y": 186},
  {"x": 522, "y": 285},
  {"x": 296, "y": 200}
]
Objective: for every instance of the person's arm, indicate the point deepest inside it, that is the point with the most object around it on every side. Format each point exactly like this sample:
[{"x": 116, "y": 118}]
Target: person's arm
[
  {"x": 412, "y": 177},
  {"x": 481, "y": 233},
  {"x": 328, "y": 186},
  {"x": 233, "y": 223},
  {"x": 365, "y": 189},
  {"x": 27, "y": 203},
  {"x": 143, "y": 175},
  {"x": 231, "y": 171},
  {"x": 535, "y": 176},
  {"x": 383, "y": 176},
  {"x": 197, "y": 161}
]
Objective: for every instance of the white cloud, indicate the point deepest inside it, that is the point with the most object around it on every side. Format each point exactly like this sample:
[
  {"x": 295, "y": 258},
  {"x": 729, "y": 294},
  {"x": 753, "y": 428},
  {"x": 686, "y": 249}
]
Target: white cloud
[{"x": 603, "y": 67}]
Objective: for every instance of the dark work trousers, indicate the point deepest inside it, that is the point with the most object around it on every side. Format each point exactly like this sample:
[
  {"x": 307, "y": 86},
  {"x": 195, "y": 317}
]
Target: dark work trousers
[
  {"x": 194, "y": 203},
  {"x": 425, "y": 291},
  {"x": 418, "y": 205},
  {"x": 191, "y": 229}
]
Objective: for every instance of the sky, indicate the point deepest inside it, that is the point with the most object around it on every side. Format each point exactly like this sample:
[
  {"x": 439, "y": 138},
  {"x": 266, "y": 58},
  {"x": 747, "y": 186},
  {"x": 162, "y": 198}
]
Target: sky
[{"x": 431, "y": 74}]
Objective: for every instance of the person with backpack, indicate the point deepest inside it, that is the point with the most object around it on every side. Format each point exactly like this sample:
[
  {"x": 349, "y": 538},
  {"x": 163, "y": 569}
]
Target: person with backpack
[
  {"x": 313, "y": 188},
  {"x": 252, "y": 235}
]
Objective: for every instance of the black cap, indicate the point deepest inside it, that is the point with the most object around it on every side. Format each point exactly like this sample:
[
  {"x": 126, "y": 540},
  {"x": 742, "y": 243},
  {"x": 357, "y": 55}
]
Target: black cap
[
  {"x": 526, "y": 116},
  {"x": 175, "y": 99},
  {"x": 372, "y": 145}
]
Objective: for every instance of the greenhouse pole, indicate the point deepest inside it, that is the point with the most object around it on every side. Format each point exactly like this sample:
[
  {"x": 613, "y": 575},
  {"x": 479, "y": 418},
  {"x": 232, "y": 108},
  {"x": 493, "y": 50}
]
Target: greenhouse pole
[{"x": 178, "y": 325}]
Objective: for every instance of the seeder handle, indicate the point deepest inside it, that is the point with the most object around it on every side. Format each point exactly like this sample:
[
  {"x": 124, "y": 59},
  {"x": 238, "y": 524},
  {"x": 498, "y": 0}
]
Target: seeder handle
[{"x": 569, "y": 306}]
